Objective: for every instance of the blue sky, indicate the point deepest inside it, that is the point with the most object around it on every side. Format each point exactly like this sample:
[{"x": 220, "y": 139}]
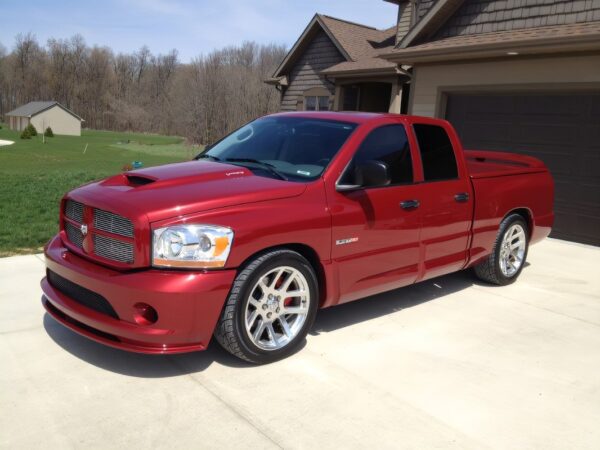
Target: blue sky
[{"x": 192, "y": 27}]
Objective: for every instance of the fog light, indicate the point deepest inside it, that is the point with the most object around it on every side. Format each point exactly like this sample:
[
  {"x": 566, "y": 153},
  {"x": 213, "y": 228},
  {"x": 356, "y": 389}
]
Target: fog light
[{"x": 144, "y": 314}]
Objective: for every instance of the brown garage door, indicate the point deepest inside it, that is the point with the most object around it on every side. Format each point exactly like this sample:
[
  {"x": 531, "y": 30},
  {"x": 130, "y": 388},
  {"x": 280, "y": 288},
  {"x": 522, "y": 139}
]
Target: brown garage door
[{"x": 561, "y": 129}]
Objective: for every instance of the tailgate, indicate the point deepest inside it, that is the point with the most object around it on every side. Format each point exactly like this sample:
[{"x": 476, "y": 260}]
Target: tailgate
[{"x": 486, "y": 164}]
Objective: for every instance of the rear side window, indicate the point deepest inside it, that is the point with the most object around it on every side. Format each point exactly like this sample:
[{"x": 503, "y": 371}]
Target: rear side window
[
  {"x": 388, "y": 144},
  {"x": 437, "y": 154}
]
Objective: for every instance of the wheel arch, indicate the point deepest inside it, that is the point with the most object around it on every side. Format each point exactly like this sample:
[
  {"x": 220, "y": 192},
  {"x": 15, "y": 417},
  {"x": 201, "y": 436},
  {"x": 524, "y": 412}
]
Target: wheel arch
[
  {"x": 307, "y": 252},
  {"x": 527, "y": 216}
]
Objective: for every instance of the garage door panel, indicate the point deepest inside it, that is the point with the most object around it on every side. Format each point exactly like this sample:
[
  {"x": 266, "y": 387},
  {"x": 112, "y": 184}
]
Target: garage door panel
[
  {"x": 595, "y": 112},
  {"x": 559, "y": 165},
  {"x": 547, "y": 135},
  {"x": 562, "y": 129},
  {"x": 592, "y": 133},
  {"x": 548, "y": 108},
  {"x": 590, "y": 169},
  {"x": 481, "y": 135},
  {"x": 581, "y": 228},
  {"x": 503, "y": 106}
]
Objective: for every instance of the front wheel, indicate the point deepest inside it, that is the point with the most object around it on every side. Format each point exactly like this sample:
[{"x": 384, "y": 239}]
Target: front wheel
[
  {"x": 508, "y": 256},
  {"x": 271, "y": 307}
]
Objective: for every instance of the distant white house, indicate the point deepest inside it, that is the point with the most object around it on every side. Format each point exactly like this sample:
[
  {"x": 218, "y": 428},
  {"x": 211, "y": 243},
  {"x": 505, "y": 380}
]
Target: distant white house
[{"x": 43, "y": 115}]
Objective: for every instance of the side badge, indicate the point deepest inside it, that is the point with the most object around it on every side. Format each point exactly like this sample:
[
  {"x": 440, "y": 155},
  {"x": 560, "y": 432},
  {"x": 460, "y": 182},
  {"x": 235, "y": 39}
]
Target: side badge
[{"x": 346, "y": 241}]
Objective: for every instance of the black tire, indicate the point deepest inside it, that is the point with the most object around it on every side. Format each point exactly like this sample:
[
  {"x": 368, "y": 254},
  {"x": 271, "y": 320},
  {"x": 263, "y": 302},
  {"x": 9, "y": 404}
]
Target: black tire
[
  {"x": 489, "y": 269},
  {"x": 230, "y": 331}
]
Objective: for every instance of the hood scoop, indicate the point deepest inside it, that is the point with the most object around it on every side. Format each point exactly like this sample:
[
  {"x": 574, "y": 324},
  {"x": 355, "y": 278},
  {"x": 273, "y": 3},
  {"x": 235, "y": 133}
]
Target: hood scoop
[
  {"x": 138, "y": 180},
  {"x": 133, "y": 180}
]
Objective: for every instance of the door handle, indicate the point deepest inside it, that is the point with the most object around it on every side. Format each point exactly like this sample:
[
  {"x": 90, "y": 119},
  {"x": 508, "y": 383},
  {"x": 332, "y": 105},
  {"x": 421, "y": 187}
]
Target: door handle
[
  {"x": 409, "y": 204},
  {"x": 462, "y": 197}
]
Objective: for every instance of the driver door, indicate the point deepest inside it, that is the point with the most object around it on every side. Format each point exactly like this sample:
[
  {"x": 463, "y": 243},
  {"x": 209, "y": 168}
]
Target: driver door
[{"x": 376, "y": 229}]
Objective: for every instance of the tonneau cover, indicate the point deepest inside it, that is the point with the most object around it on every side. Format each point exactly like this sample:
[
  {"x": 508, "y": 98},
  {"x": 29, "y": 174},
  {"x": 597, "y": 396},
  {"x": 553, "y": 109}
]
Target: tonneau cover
[{"x": 487, "y": 164}]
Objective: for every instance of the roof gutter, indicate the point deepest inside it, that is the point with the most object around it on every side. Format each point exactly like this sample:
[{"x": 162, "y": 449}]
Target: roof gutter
[
  {"x": 387, "y": 71},
  {"x": 544, "y": 45}
]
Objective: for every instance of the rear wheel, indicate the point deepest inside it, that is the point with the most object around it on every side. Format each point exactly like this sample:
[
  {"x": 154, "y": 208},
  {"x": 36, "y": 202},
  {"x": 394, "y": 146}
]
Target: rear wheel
[
  {"x": 507, "y": 259},
  {"x": 271, "y": 307}
]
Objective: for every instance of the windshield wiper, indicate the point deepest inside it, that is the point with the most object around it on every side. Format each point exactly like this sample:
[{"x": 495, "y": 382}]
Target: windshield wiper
[
  {"x": 207, "y": 156},
  {"x": 264, "y": 165}
]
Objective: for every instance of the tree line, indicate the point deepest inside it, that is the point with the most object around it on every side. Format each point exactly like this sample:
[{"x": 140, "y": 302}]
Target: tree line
[{"x": 141, "y": 91}]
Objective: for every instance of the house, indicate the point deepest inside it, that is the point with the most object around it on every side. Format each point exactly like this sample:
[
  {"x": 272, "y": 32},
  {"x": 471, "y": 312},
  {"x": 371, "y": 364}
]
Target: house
[
  {"x": 512, "y": 75},
  {"x": 43, "y": 115}
]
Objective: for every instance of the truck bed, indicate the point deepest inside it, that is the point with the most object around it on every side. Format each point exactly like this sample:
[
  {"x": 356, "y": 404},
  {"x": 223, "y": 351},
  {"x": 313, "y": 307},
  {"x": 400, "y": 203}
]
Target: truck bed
[{"x": 488, "y": 164}]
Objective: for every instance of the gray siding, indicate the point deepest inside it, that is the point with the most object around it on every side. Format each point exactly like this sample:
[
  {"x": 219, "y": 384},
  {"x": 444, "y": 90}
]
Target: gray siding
[
  {"x": 485, "y": 16},
  {"x": 404, "y": 20},
  {"x": 423, "y": 6},
  {"x": 320, "y": 54}
]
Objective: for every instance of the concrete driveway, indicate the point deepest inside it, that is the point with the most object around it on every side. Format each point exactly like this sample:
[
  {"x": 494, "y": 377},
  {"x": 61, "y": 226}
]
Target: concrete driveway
[{"x": 450, "y": 363}]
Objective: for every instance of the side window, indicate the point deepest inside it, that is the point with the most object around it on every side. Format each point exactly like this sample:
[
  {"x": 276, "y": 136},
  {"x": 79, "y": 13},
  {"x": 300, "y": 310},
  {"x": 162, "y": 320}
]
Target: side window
[
  {"x": 437, "y": 154},
  {"x": 388, "y": 144}
]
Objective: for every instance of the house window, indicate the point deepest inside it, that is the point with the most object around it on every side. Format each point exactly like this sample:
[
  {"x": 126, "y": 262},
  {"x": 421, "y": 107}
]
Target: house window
[
  {"x": 316, "y": 103},
  {"x": 315, "y": 99}
]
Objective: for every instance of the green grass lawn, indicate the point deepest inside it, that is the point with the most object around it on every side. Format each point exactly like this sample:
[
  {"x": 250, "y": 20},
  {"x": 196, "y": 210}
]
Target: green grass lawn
[{"x": 34, "y": 176}]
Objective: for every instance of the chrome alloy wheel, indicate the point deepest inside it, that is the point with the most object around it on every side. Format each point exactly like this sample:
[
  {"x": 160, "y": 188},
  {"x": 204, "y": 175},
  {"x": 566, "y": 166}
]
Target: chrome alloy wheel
[
  {"x": 512, "y": 250},
  {"x": 277, "y": 308}
]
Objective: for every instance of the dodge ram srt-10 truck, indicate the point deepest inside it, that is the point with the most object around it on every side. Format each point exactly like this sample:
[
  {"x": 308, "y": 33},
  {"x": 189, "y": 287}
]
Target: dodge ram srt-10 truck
[{"x": 291, "y": 213}]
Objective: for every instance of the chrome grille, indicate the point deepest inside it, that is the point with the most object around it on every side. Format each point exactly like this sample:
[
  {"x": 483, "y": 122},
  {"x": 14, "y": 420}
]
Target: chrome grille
[
  {"x": 74, "y": 234},
  {"x": 114, "y": 249},
  {"x": 112, "y": 246},
  {"x": 112, "y": 223},
  {"x": 74, "y": 210}
]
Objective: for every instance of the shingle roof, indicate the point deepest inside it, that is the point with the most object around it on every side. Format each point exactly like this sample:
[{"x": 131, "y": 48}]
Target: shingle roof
[
  {"x": 359, "y": 41},
  {"x": 363, "y": 65},
  {"x": 580, "y": 33},
  {"x": 32, "y": 108},
  {"x": 362, "y": 43}
]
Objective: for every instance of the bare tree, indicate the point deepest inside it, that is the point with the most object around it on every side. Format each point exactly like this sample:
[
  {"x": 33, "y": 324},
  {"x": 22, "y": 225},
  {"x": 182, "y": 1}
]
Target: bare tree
[{"x": 141, "y": 91}]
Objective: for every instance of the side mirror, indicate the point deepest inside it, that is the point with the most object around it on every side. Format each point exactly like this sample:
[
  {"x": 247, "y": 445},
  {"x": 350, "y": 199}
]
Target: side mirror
[
  {"x": 372, "y": 173},
  {"x": 368, "y": 174}
]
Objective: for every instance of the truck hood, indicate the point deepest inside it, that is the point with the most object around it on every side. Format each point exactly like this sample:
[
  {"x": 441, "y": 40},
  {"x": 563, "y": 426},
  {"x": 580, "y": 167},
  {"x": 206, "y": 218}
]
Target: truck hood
[{"x": 180, "y": 189}]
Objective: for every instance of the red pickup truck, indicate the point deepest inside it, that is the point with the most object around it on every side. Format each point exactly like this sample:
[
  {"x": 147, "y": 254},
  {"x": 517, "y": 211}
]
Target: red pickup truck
[{"x": 288, "y": 214}]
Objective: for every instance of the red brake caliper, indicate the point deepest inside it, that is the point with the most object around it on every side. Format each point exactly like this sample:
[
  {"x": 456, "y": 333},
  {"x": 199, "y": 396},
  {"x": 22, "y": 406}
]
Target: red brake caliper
[{"x": 287, "y": 301}]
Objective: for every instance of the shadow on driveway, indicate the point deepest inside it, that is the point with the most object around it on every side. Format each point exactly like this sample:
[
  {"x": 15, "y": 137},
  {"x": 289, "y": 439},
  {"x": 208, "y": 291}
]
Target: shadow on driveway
[
  {"x": 328, "y": 320},
  {"x": 368, "y": 308}
]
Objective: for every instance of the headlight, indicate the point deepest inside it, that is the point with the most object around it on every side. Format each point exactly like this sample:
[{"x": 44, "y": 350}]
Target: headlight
[{"x": 191, "y": 246}]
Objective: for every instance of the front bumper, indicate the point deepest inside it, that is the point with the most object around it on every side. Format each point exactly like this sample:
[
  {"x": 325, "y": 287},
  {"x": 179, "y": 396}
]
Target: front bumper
[{"x": 188, "y": 303}]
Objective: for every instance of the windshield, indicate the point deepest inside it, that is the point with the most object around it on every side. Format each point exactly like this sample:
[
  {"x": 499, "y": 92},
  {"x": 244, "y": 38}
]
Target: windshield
[{"x": 289, "y": 148}]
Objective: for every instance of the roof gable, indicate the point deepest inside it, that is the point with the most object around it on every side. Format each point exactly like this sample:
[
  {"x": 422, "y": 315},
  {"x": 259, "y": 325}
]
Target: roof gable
[
  {"x": 354, "y": 41},
  {"x": 303, "y": 41},
  {"x": 431, "y": 20},
  {"x": 33, "y": 108},
  {"x": 488, "y": 16},
  {"x": 448, "y": 18}
]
